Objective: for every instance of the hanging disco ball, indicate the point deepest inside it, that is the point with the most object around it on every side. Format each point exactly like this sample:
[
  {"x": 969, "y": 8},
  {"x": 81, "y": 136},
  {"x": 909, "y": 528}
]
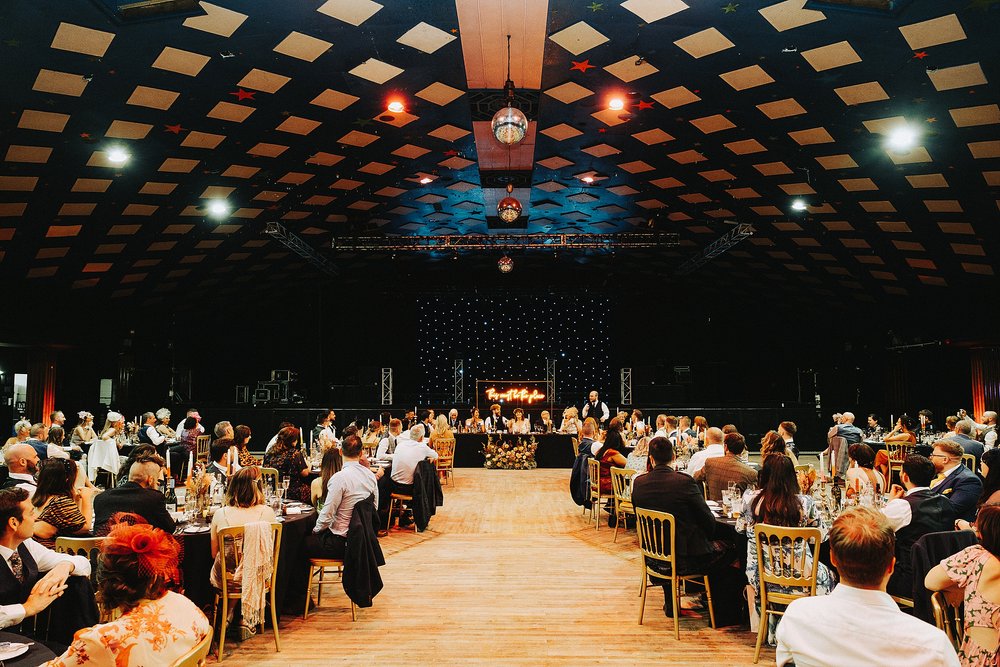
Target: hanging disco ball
[
  {"x": 505, "y": 264},
  {"x": 509, "y": 209},
  {"x": 509, "y": 125}
]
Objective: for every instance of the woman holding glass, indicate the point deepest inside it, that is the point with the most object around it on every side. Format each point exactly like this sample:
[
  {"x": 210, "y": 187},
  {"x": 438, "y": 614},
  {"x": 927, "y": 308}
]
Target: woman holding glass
[{"x": 286, "y": 458}]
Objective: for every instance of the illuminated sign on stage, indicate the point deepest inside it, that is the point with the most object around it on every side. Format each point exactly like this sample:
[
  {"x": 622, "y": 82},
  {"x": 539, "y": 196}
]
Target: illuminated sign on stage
[{"x": 521, "y": 395}]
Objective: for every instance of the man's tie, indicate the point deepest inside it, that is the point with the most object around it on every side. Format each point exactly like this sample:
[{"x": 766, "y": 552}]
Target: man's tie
[{"x": 16, "y": 566}]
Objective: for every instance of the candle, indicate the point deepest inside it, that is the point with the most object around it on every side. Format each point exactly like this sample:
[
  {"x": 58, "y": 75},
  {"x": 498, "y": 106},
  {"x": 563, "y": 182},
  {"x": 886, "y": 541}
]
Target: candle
[
  {"x": 168, "y": 463},
  {"x": 891, "y": 420},
  {"x": 190, "y": 464}
]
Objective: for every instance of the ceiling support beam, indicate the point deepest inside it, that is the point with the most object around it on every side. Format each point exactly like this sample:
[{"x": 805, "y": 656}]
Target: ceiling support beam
[
  {"x": 623, "y": 241},
  {"x": 291, "y": 241},
  {"x": 715, "y": 248}
]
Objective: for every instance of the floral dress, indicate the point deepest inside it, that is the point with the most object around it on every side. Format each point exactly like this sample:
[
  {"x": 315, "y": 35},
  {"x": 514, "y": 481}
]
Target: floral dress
[
  {"x": 157, "y": 632},
  {"x": 966, "y": 568},
  {"x": 811, "y": 518},
  {"x": 289, "y": 462}
]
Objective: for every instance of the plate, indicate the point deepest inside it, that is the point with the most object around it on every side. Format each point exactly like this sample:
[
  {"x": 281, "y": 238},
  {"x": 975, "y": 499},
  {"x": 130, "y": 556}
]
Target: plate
[
  {"x": 190, "y": 530},
  {"x": 13, "y": 650}
]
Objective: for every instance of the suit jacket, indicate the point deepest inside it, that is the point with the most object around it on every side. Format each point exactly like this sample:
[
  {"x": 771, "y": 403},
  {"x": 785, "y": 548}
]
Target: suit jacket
[
  {"x": 962, "y": 488},
  {"x": 363, "y": 555},
  {"x": 970, "y": 446},
  {"x": 719, "y": 471},
  {"x": 665, "y": 490},
  {"x": 130, "y": 497}
]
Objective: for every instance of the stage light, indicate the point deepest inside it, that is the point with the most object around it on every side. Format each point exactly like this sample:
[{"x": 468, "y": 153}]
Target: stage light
[
  {"x": 616, "y": 104},
  {"x": 117, "y": 155},
  {"x": 425, "y": 180},
  {"x": 218, "y": 208},
  {"x": 799, "y": 205},
  {"x": 901, "y": 139},
  {"x": 395, "y": 106},
  {"x": 588, "y": 179}
]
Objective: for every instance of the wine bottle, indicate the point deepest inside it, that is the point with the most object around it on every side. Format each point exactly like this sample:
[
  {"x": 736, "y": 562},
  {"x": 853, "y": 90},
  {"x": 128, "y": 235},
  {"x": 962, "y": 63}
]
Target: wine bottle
[{"x": 171, "y": 497}]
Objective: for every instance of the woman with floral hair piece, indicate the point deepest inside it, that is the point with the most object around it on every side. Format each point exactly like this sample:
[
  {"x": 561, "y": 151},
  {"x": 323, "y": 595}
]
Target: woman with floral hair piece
[
  {"x": 163, "y": 424},
  {"x": 84, "y": 431},
  {"x": 157, "y": 626}
]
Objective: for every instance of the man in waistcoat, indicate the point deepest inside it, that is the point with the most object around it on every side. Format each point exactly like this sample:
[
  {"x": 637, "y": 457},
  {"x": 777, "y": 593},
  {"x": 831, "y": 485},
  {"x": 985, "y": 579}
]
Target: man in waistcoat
[{"x": 595, "y": 408}]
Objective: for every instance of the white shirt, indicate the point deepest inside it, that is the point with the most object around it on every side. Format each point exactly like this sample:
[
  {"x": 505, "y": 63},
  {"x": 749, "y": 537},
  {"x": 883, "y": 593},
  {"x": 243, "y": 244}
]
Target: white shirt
[
  {"x": 27, "y": 482},
  {"x": 898, "y": 511},
  {"x": 603, "y": 407},
  {"x": 522, "y": 427},
  {"x": 45, "y": 559},
  {"x": 853, "y": 626},
  {"x": 180, "y": 430},
  {"x": 348, "y": 487},
  {"x": 990, "y": 439},
  {"x": 155, "y": 436},
  {"x": 408, "y": 454},
  {"x": 383, "y": 447},
  {"x": 697, "y": 461}
]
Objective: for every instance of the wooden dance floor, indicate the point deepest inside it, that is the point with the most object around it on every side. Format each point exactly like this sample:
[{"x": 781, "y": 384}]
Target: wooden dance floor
[{"x": 507, "y": 573}]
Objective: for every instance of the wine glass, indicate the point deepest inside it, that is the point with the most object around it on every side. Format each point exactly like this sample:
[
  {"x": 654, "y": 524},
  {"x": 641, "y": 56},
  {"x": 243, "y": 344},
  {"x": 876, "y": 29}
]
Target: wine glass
[{"x": 285, "y": 483}]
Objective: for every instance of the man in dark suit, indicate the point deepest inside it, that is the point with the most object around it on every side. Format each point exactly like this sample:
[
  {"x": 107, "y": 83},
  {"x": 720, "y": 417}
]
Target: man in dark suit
[
  {"x": 962, "y": 434},
  {"x": 958, "y": 484},
  {"x": 137, "y": 496},
  {"x": 663, "y": 489}
]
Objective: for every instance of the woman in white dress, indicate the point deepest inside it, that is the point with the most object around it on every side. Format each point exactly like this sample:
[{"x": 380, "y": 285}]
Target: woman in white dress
[
  {"x": 519, "y": 425},
  {"x": 103, "y": 453}
]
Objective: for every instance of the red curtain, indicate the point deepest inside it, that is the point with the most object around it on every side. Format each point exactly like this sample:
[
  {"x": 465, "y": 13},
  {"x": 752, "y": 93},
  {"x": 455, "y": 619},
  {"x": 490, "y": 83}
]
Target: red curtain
[
  {"x": 41, "y": 385},
  {"x": 985, "y": 379}
]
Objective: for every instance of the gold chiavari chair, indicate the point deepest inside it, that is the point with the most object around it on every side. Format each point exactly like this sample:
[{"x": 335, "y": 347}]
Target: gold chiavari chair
[
  {"x": 196, "y": 656},
  {"x": 949, "y": 618},
  {"x": 446, "y": 459},
  {"x": 897, "y": 453},
  {"x": 621, "y": 484},
  {"x": 596, "y": 498},
  {"x": 969, "y": 461},
  {"x": 202, "y": 445},
  {"x": 318, "y": 566},
  {"x": 90, "y": 548}
]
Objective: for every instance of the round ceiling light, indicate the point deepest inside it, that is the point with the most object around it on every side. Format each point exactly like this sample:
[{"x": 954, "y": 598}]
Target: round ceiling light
[
  {"x": 505, "y": 264},
  {"x": 799, "y": 205},
  {"x": 901, "y": 139},
  {"x": 616, "y": 104},
  {"x": 509, "y": 125},
  {"x": 395, "y": 106},
  {"x": 218, "y": 208},
  {"x": 117, "y": 155},
  {"x": 509, "y": 209}
]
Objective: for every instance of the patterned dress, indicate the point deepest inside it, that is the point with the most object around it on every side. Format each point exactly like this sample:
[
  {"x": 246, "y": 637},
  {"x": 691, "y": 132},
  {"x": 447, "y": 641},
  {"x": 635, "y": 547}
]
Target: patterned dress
[
  {"x": 811, "y": 518},
  {"x": 290, "y": 462},
  {"x": 61, "y": 512},
  {"x": 966, "y": 568},
  {"x": 157, "y": 632}
]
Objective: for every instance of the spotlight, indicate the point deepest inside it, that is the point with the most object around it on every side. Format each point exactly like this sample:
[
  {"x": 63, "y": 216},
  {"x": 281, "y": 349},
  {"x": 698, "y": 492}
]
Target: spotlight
[
  {"x": 425, "y": 180},
  {"x": 218, "y": 208},
  {"x": 901, "y": 139},
  {"x": 588, "y": 179},
  {"x": 117, "y": 155},
  {"x": 395, "y": 106},
  {"x": 799, "y": 205},
  {"x": 616, "y": 104}
]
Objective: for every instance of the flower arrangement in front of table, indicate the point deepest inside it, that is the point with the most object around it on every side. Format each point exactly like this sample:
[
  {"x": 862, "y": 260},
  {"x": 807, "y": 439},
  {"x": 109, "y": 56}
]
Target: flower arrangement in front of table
[{"x": 510, "y": 453}]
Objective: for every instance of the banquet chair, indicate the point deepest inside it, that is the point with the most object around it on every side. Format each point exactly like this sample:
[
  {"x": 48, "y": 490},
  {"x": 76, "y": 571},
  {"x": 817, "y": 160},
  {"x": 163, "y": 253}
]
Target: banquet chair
[
  {"x": 839, "y": 461},
  {"x": 969, "y": 461},
  {"x": 226, "y": 595},
  {"x": 89, "y": 548},
  {"x": 396, "y": 500},
  {"x": 318, "y": 566},
  {"x": 897, "y": 453},
  {"x": 783, "y": 561},
  {"x": 657, "y": 531},
  {"x": 596, "y": 497},
  {"x": 621, "y": 483},
  {"x": 269, "y": 478},
  {"x": 446, "y": 459},
  {"x": 575, "y": 442},
  {"x": 201, "y": 447},
  {"x": 949, "y": 618},
  {"x": 197, "y": 655}
]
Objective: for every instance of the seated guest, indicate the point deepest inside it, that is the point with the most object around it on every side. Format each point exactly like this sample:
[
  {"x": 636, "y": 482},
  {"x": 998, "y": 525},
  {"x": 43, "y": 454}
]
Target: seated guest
[
  {"x": 975, "y": 573},
  {"x": 638, "y": 458},
  {"x": 427, "y": 421},
  {"x": 673, "y": 433},
  {"x": 545, "y": 423},
  {"x": 773, "y": 443},
  {"x": 241, "y": 440},
  {"x": 846, "y": 429},
  {"x": 84, "y": 431},
  {"x": 22, "y": 431},
  {"x": 664, "y": 489},
  {"x": 139, "y": 495},
  {"x": 519, "y": 425},
  {"x": 163, "y": 424},
  {"x": 611, "y": 455},
  {"x": 729, "y": 428},
  {"x": 636, "y": 419},
  {"x": 387, "y": 446},
  {"x": 925, "y": 420},
  {"x": 32, "y": 576},
  {"x": 408, "y": 454},
  {"x": 139, "y": 564},
  {"x": 218, "y": 455},
  {"x": 454, "y": 423},
  {"x": 684, "y": 426},
  {"x": 473, "y": 424},
  {"x": 913, "y": 511},
  {"x": 332, "y": 463},
  {"x": 496, "y": 422},
  {"x": 324, "y": 426},
  {"x": 22, "y": 464},
  {"x": 949, "y": 426},
  {"x": 345, "y": 489},
  {"x": 273, "y": 440},
  {"x": 286, "y": 458},
  {"x": 244, "y": 504},
  {"x": 990, "y": 470},
  {"x": 860, "y": 475},
  {"x": 54, "y": 443},
  {"x": 36, "y": 438},
  {"x": 962, "y": 435},
  {"x": 587, "y": 442},
  {"x": 713, "y": 448},
  {"x": 874, "y": 429},
  {"x": 861, "y": 625},
  {"x": 148, "y": 434},
  {"x": 373, "y": 435},
  {"x": 779, "y": 503},
  {"x": 903, "y": 432},
  {"x": 570, "y": 421},
  {"x": 187, "y": 445},
  {"x": 442, "y": 434},
  {"x": 719, "y": 471},
  {"x": 182, "y": 431},
  {"x": 138, "y": 453},
  {"x": 222, "y": 430},
  {"x": 958, "y": 484},
  {"x": 63, "y": 509},
  {"x": 700, "y": 427},
  {"x": 787, "y": 431}
]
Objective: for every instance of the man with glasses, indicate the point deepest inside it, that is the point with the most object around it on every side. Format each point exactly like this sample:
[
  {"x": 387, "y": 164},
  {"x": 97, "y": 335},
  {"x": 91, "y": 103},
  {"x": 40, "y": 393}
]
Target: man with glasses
[{"x": 958, "y": 484}]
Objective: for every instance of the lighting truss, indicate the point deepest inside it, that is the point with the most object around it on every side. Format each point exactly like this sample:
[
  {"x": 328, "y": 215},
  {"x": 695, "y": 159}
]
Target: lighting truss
[
  {"x": 291, "y": 241},
  {"x": 715, "y": 248},
  {"x": 622, "y": 241},
  {"x": 626, "y": 386}
]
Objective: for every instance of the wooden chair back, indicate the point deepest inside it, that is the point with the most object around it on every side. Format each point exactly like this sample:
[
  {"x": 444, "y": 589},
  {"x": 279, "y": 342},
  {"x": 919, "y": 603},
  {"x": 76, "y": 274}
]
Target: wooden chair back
[
  {"x": 657, "y": 539},
  {"x": 270, "y": 479},
  {"x": 197, "y": 655},
  {"x": 969, "y": 461},
  {"x": 621, "y": 484},
  {"x": 949, "y": 618},
  {"x": 231, "y": 541},
  {"x": 783, "y": 556},
  {"x": 88, "y": 547},
  {"x": 898, "y": 451},
  {"x": 202, "y": 445},
  {"x": 576, "y": 446}
]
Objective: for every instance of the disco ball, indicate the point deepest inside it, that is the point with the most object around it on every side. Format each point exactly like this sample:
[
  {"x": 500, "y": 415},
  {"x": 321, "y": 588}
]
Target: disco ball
[
  {"x": 505, "y": 264},
  {"x": 509, "y": 209},
  {"x": 509, "y": 125}
]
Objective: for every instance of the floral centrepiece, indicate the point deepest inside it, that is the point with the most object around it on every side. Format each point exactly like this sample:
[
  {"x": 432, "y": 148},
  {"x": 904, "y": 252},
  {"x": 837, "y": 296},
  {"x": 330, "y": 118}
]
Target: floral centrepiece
[{"x": 510, "y": 453}]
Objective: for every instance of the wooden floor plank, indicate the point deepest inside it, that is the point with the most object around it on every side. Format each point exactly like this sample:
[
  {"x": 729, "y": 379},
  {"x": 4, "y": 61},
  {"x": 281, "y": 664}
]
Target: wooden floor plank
[{"x": 508, "y": 573}]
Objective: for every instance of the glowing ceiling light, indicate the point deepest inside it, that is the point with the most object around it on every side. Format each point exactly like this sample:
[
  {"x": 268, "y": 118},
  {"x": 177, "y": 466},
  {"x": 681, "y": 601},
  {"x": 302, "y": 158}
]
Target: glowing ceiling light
[
  {"x": 218, "y": 208},
  {"x": 588, "y": 179},
  {"x": 799, "y": 205},
  {"x": 395, "y": 106},
  {"x": 509, "y": 209},
  {"x": 901, "y": 139},
  {"x": 425, "y": 180},
  {"x": 117, "y": 155},
  {"x": 616, "y": 104}
]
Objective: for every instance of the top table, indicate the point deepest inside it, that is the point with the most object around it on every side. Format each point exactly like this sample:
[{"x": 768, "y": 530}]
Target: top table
[{"x": 555, "y": 450}]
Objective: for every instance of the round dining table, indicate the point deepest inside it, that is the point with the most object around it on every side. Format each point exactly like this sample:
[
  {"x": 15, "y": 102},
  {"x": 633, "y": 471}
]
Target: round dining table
[{"x": 36, "y": 654}]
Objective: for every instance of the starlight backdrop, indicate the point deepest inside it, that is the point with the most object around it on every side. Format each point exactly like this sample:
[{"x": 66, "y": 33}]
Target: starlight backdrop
[{"x": 508, "y": 337}]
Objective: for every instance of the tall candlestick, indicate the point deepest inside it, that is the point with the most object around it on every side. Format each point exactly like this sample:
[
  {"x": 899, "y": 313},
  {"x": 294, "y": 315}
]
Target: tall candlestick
[
  {"x": 168, "y": 463},
  {"x": 190, "y": 464}
]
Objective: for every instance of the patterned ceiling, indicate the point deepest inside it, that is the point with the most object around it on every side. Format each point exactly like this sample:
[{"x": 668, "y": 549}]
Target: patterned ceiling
[{"x": 733, "y": 109}]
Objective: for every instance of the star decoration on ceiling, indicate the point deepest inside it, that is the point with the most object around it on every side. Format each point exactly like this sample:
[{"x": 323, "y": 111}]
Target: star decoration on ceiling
[
  {"x": 642, "y": 106},
  {"x": 919, "y": 55},
  {"x": 932, "y": 119},
  {"x": 362, "y": 122},
  {"x": 85, "y": 135},
  {"x": 244, "y": 95},
  {"x": 730, "y": 8},
  {"x": 596, "y": 6},
  {"x": 174, "y": 129},
  {"x": 582, "y": 66}
]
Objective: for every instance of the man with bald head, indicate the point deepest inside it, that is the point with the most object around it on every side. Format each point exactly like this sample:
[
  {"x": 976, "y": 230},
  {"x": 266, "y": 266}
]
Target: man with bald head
[
  {"x": 713, "y": 449},
  {"x": 138, "y": 495},
  {"x": 22, "y": 464},
  {"x": 847, "y": 430}
]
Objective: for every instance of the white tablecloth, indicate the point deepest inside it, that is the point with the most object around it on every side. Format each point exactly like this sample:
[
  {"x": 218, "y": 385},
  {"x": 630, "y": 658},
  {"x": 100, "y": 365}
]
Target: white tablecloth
[{"x": 103, "y": 454}]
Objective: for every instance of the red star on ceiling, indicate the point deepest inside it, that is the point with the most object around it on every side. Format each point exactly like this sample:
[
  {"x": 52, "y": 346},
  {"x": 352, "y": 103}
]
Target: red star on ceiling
[
  {"x": 175, "y": 129},
  {"x": 85, "y": 135},
  {"x": 602, "y": 130},
  {"x": 919, "y": 55},
  {"x": 244, "y": 95},
  {"x": 451, "y": 153},
  {"x": 645, "y": 105},
  {"x": 582, "y": 66}
]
